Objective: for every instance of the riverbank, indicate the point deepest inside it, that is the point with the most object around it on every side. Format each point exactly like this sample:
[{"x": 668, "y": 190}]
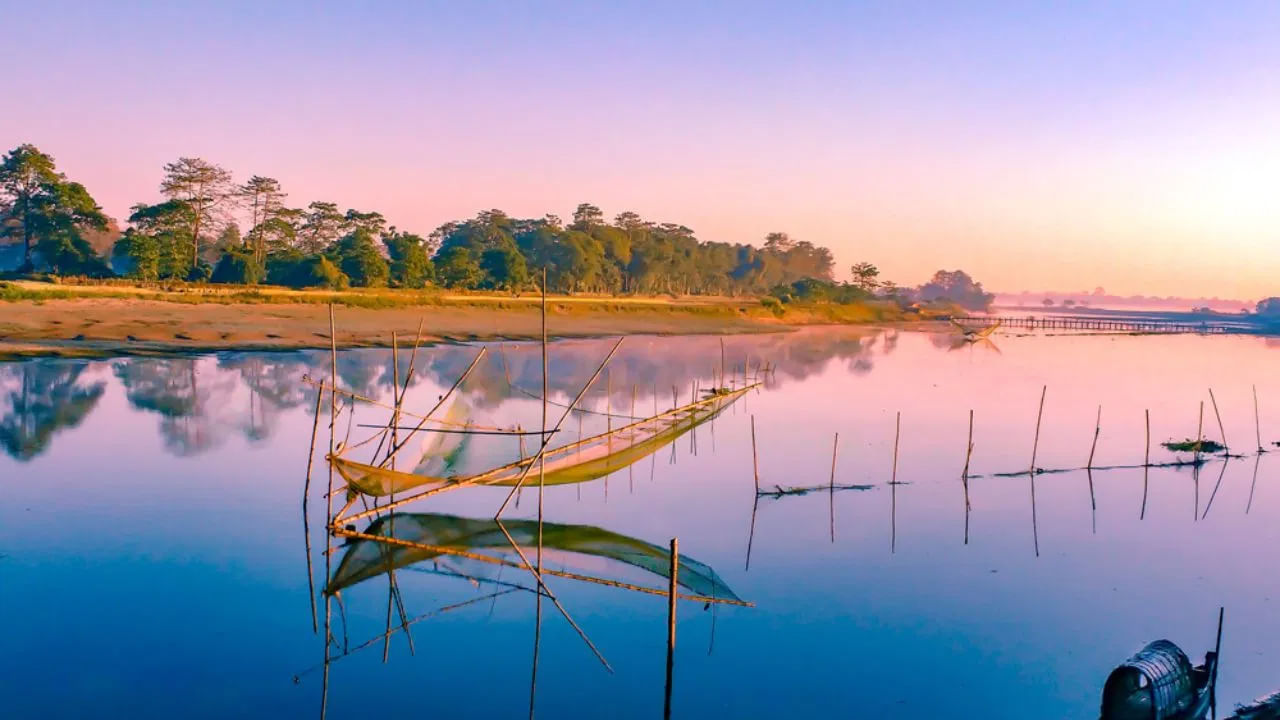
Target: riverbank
[{"x": 41, "y": 319}]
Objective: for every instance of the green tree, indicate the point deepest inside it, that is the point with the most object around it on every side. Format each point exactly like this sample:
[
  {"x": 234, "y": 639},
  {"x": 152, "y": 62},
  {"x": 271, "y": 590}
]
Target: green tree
[
  {"x": 205, "y": 188},
  {"x": 457, "y": 268},
  {"x": 410, "y": 262},
  {"x": 155, "y": 246},
  {"x": 239, "y": 266},
  {"x": 264, "y": 199},
  {"x": 59, "y": 215},
  {"x": 504, "y": 268},
  {"x": 864, "y": 277},
  {"x": 322, "y": 225},
  {"x": 357, "y": 256},
  {"x": 25, "y": 174}
]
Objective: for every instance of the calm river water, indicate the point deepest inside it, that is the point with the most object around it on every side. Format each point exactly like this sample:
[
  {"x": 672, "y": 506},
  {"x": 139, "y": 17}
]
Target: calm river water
[{"x": 152, "y": 556}]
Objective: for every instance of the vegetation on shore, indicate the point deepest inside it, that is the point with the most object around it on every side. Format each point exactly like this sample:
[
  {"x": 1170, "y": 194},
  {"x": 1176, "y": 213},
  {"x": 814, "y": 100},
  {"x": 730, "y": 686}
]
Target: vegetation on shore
[{"x": 194, "y": 236}]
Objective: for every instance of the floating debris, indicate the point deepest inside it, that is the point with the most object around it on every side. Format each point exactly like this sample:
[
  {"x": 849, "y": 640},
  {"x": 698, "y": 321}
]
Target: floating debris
[
  {"x": 1196, "y": 446},
  {"x": 784, "y": 491}
]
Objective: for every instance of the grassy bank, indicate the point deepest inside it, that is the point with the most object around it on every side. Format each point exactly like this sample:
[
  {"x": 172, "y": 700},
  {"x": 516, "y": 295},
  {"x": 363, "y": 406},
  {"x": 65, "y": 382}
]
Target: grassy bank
[{"x": 118, "y": 318}]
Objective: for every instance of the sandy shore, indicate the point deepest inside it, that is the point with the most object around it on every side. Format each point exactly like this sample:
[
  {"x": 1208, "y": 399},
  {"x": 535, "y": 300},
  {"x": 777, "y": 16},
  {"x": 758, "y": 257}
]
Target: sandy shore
[{"x": 92, "y": 327}]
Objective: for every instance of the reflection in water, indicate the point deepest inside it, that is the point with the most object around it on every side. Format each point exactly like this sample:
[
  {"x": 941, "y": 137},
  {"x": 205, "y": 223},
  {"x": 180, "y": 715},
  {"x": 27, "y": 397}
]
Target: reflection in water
[
  {"x": 201, "y": 400},
  {"x": 37, "y": 399},
  {"x": 988, "y": 616}
]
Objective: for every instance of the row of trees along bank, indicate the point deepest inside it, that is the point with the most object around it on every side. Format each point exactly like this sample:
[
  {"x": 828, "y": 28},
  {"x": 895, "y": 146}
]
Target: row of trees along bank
[{"x": 195, "y": 233}]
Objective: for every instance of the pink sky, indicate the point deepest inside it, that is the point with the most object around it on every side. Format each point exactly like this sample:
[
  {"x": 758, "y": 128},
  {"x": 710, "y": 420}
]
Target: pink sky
[{"x": 1132, "y": 148}]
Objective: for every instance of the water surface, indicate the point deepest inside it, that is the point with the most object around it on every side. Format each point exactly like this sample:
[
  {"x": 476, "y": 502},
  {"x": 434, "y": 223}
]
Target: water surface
[{"x": 152, "y": 550}]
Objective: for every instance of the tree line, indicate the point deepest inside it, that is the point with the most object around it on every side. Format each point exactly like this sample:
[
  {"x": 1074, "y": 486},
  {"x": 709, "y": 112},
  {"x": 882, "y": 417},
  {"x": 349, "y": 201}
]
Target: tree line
[{"x": 195, "y": 234}]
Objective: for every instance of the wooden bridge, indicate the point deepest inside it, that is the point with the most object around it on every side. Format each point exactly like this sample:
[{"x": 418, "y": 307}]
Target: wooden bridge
[{"x": 1132, "y": 324}]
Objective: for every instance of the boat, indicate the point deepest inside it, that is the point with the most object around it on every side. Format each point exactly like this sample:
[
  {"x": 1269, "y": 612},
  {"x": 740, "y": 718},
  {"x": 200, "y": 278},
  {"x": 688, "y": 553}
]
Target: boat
[
  {"x": 581, "y": 461},
  {"x": 394, "y": 542},
  {"x": 1160, "y": 683}
]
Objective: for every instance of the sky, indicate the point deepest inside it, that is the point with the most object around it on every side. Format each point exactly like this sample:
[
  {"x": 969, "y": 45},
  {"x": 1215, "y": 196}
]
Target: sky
[{"x": 1046, "y": 145}]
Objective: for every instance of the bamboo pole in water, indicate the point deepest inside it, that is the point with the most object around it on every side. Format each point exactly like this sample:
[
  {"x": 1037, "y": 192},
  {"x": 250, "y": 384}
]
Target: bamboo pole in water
[
  {"x": 1257, "y": 423},
  {"x": 542, "y": 449},
  {"x": 1221, "y": 430},
  {"x": 306, "y": 491},
  {"x": 542, "y": 482},
  {"x": 968, "y": 454},
  {"x": 1097, "y": 429},
  {"x": 671, "y": 622},
  {"x": 1199, "y": 432},
  {"x": 755, "y": 464},
  {"x": 1147, "y": 458},
  {"x": 396, "y": 449},
  {"x": 1035, "y": 446},
  {"x": 893, "y": 486},
  {"x": 835, "y": 445}
]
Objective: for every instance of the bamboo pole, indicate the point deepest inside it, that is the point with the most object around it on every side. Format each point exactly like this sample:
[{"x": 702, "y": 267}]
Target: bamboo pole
[
  {"x": 391, "y": 456},
  {"x": 1221, "y": 430},
  {"x": 722, "y": 362},
  {"x": 1097, "y": 430},
  {"x": 306, "y": 525},
  {"x": 893, "y": 486},
  {"x": 1147, "y": 458},
  {"x": 1035, "y": 527},
  {"x": 671, "y": 622},
  {"x": 755, "y": 464},
  {"x": 835, "y": 444},
  {"x": 968, "y": 454},
  {"x": 542, "y": 482},
  {"x": 542, "y": 448},
  {"x": 1257, "y": 423},
  {"x": 1199, "y": 433},
  {"x": 333, "y": 423}
]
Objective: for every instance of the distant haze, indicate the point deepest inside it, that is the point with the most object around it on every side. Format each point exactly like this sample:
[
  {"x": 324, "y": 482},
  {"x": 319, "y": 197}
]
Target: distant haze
[{"x": 1030, "y": 144}]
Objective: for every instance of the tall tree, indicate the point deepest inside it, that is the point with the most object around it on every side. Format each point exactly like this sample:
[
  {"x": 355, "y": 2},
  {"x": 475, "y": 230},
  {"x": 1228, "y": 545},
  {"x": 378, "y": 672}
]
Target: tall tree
[
  {"x": 263, "y": 198},
  {"x": 322, "y": 225},
  {"x": 864, "y": 276},
  {"x": 204, "y": 187},
  {"x": 25, "y": 174}
]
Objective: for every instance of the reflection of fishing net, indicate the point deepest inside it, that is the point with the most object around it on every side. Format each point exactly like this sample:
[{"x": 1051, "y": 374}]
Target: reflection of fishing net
[
  {"x": 581, "y": 461},
  {"x": 455, "y": 541}
]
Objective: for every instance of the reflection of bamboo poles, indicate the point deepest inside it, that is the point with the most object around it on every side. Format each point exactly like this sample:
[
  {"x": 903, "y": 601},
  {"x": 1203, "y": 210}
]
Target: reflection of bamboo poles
[
  {"x": 1217, "y": 485},
  {"x": 491, "y": 560},
  {"x": 671, "y": 622},
  {"x": 413, "y": 621},
  {"x": 542, "y": 585},
  {"x": 1257, "y": 460}
]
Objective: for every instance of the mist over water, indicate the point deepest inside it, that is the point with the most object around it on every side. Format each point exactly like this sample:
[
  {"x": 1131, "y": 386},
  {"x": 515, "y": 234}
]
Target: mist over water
[{"x": 152, "y": 551}]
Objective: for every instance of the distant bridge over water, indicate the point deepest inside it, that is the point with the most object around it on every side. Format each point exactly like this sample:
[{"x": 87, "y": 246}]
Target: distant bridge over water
[{"x": 1122, "y": 322}]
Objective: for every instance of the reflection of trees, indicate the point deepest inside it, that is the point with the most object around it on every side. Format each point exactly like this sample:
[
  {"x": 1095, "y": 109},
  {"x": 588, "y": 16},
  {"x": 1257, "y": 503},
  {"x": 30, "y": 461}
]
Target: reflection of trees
[
  {"x": 39, "y": 398},
  {"x": 274, "y": 384},
  {"x": 171, "y": 388}
]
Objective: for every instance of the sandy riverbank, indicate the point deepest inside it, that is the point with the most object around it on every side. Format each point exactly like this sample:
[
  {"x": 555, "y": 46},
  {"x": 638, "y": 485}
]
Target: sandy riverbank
[{"x": 93, "y": 322}]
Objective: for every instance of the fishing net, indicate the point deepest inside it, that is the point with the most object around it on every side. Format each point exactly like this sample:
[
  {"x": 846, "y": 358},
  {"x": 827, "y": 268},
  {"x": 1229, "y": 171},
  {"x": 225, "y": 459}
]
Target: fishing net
[{"x": 437, "y": 536}]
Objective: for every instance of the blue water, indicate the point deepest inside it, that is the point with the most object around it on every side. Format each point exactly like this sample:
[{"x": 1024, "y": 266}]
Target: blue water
[{"x": 152, "y": 558}]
